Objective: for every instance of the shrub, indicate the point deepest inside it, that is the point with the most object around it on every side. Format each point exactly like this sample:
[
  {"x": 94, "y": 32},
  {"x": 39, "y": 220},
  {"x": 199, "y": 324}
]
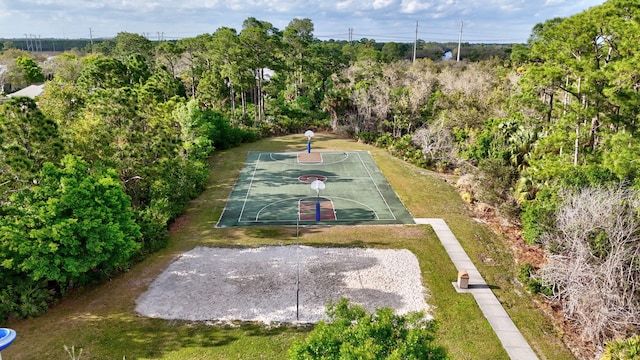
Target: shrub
[
  {"x": 23, "y": 297},
  {"x": 526, "y": 274},
  {"x": 496, "y": 181},
  {"x": 622, "y": 349},
  {"x": 353, "y": 333},
  {"x": 367, "y": 137}
]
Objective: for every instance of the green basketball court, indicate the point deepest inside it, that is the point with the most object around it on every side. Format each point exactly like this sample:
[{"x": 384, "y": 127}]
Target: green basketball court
[{"x": 323, "y": 187}]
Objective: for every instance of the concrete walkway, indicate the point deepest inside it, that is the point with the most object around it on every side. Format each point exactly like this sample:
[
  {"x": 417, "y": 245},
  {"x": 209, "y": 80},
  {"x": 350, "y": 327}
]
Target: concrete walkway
[{"x": 511, "y": 338}]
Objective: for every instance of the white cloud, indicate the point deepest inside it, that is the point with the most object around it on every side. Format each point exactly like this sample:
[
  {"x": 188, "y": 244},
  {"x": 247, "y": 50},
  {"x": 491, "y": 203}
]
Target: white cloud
[
  {"x": 344, "y": 5},
  {"x": 413, "y": 6},
  {"x": 381, "y": 4}
]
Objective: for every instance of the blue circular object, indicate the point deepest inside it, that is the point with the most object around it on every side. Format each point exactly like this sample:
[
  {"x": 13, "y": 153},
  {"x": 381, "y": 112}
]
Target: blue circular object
[{"x": 6, "y": 337}]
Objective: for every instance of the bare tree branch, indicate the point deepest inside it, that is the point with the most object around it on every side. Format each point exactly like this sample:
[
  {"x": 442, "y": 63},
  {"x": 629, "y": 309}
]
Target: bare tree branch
[{"x": 593, "y": 261}]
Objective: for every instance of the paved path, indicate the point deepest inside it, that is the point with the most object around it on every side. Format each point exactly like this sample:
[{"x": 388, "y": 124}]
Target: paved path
[{"x": 511, "y": 338}]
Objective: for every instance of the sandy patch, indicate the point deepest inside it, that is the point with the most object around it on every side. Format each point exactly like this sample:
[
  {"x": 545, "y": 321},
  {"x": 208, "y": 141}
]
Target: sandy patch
[{"x": 260, "y": 284}]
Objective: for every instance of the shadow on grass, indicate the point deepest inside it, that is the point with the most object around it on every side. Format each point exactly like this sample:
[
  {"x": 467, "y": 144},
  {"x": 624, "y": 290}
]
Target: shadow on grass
[
  {"x": 155, "y": 338},
  {"x": 346, "y": 244}
]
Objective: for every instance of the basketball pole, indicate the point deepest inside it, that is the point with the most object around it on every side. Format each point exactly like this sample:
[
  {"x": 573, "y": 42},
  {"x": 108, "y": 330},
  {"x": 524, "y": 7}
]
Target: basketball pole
[
  {"x": 318, "y": 206},
  {"x": 309, "y": 134}
]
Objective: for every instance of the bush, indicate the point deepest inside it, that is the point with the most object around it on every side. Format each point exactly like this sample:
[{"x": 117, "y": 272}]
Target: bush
[
  {"x": 367, "y": 137},
  {"x": 384, "y": 141},
  {"x": 537, "y": 215},
  {"x": 353, "y": 333},
  {"x": 23, "y": 297},
  {"x": 496, "y": 182},
  {"x": 622, "y": 349},
  {"x": 75, "y": 226},
  {"x": 526, "y": 275},
  {"x": 152, "y": 221}
]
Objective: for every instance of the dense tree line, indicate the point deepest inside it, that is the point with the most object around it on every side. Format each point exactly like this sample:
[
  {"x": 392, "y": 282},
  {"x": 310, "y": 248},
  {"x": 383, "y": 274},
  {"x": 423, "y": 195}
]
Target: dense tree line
[
  {"x": 528, "y": 133},
  {"x": 93, "y": 173}
]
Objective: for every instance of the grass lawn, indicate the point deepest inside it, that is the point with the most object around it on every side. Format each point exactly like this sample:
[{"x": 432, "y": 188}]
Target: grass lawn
[{"x": 102, "y": 323}]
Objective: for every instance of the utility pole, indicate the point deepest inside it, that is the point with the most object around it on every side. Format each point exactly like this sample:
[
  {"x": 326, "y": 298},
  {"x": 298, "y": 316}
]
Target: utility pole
[
  {"x": 91, "y": 39},
  {"x": 28, "y": 41},
  {"x": 350, "y": 35},
  {"x": 459, "y": 41},
  {"x": 415, "y": 44}
]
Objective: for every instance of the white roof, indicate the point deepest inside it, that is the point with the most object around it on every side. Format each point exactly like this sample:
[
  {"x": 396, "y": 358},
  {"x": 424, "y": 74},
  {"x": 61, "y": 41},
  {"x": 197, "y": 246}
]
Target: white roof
[{"x": 30, "y": 91}]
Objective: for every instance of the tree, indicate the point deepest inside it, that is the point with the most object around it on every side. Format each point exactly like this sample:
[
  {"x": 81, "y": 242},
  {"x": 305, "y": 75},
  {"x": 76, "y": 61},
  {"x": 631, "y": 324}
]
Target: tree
[
  {"x": 128, "y": 44},
  {"x": 27, "y": 140},
  {"x": 138, "y": 71},
  {"x": 582, "y": 69},
  {"x": 168, "y": 54},
  {"x": 298, "y": 35},
  {"x": 14, "y": 77},
  {"x": 436, "y": 144},
  {"x": 592, "y": 262},
  {"x": 228, "y": 76},
  {"x": 261, "y": 40},
  {"x": 161, "y": 87},
  {"x": 102, "y": 72},
  {"x": 194, "y": 61},
  {"x": 353, "y": 333},
  {"x": 75, "y": 226},
  {"x": 67, "y": 67},
  {"x": 7, "y": 45},
  {"x": 391, "y": 52},
  {"x": 30, "y": 69}
]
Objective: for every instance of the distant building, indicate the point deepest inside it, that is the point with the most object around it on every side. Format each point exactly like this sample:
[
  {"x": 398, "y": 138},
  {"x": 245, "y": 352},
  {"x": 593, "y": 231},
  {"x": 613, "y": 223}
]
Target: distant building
[{"x": 31, "y": 91}]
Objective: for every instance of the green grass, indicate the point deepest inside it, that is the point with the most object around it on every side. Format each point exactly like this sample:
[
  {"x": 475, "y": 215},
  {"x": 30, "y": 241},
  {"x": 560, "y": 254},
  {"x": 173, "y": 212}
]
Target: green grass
[{"x": 101, "y": 320}]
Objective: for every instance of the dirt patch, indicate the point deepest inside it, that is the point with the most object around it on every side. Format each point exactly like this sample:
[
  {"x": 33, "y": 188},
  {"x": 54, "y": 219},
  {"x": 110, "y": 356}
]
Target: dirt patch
[{"x": 265, "y": 284}]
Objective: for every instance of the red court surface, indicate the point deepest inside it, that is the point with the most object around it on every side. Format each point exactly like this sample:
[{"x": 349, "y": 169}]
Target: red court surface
[{"x": 308, "y": 210}]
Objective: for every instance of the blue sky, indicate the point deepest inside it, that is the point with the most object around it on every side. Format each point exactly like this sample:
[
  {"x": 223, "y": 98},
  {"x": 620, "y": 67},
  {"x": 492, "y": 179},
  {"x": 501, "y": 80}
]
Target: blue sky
[{"x": 487, "y": 21}]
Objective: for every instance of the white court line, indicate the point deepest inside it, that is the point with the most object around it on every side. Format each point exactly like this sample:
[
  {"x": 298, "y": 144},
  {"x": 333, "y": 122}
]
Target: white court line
[
  {"x": 377, "y": 188},
  {"x": 296, "y": 162},
  {"x": 313, "y": 198},
  {"x": 364, "y": 205},
  {"x": 293, "y": 161},
  {"x": 273, "y": 203},
  {"x": 253, "y": 176}
]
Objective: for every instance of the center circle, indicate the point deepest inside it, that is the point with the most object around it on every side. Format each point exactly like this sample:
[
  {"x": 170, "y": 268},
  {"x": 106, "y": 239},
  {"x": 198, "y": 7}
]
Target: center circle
[{"x": 311, "y": 178}]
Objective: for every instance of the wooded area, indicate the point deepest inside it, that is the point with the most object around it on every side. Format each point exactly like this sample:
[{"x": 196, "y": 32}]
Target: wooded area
[{"x": 92, "y": 174}]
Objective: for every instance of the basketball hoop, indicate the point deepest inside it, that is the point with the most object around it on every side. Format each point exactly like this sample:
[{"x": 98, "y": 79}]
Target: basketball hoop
[
  {"x": 317, "y": 185},
  {"x": 309, "y": 134}
]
